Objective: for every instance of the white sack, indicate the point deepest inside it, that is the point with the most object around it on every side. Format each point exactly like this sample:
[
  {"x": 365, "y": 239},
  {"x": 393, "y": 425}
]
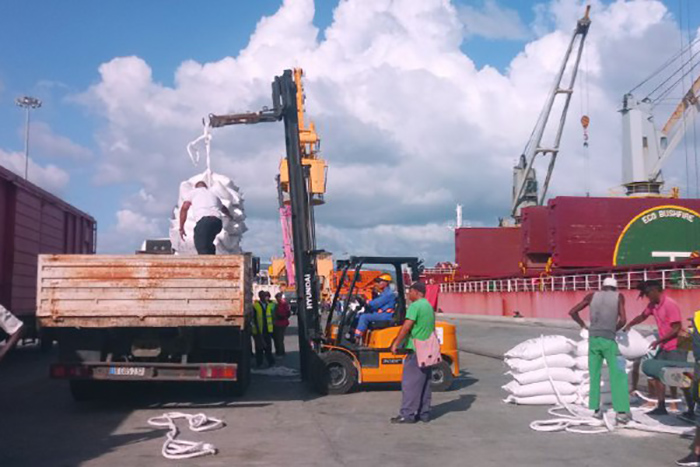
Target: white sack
[
  {"x": 540, "y": 389},
  {"x": 553, "y": 361},
  {"x": 532, "y": 348},
  {"x": 582, "y": 363},
  {"x": 229, "y": 239},
  {"x": 582, "y": 349},
  {"x": 541, "y": 400},
  {"x": 558, "y": 374},
  {"x": 632, "y": 344},
  {"x": 585, "y": 388}
]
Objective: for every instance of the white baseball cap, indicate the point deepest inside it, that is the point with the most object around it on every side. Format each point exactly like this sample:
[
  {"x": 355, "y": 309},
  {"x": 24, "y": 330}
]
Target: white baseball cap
[{"x": 610, "y": 282}]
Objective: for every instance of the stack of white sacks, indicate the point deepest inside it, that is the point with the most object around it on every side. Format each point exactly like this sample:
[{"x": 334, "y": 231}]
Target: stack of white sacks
[
  {"x": 228, "y": 241},
  {"x": 566, "y": 369}
]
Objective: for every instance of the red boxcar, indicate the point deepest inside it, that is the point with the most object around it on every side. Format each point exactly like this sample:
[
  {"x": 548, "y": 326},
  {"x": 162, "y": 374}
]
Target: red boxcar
[
  {"x": 584, "y": 231},
  {"x": 32, "y": 222},
  {"x": 493, "y": 251}
]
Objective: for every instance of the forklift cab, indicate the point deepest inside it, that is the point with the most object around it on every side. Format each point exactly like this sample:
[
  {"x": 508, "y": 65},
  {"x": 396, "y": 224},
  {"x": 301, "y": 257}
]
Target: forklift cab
[
  {"x": 342, "y": 318},
  {"x": 343, "y": 364}
]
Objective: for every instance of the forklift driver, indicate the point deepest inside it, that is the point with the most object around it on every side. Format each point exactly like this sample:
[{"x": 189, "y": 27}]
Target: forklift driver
[{"x": 379, "y": 309}]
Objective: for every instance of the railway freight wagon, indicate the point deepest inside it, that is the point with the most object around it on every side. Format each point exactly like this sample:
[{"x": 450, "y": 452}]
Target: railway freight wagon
[{"x": 32, "y": 222}]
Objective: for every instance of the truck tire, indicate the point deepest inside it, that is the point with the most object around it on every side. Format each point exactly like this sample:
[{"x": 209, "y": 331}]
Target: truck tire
[
  {"x": 82, "y": 390},
  {"x": 334, "y": 373},
  {"x": 441, "y": 377}
]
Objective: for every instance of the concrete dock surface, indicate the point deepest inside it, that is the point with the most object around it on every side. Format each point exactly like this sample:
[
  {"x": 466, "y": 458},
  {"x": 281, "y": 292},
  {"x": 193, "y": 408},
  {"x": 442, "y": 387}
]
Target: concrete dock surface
[{"x": 281, "y": 423}]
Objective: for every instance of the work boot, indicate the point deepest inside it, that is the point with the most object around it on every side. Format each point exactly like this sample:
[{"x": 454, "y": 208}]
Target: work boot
[
  {"x": 401, "y": 420},
  {"x": 691, "y": 460},
  {"x": 623, "y": 418},
  {"x": 660, "y": 410}
]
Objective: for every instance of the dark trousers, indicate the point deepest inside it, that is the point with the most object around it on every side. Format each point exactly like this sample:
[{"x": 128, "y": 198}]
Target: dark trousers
[
  {"x": 415, "y": 389},
  {"x": 263, "y": 349},
  {"x": 205, "y": 233},
  {"x": 279, "y": 340}
]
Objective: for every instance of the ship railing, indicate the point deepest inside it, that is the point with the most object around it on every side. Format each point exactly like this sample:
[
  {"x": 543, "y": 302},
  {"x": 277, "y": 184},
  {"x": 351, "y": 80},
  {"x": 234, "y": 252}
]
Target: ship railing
[{"x": 678, "y": 278}]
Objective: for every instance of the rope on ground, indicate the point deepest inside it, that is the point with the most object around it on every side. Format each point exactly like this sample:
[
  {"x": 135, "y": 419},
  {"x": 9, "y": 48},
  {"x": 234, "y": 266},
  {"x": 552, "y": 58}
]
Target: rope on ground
[
  {"x": 180, "y": 449},
  {"x": 581, "y": 420}
]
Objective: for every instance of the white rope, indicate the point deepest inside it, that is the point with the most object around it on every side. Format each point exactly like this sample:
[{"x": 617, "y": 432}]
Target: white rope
[
  {"x": 181, "y": 449},
  {"x": 192, "y": 146},
  {"x": 581, "y": 420}
]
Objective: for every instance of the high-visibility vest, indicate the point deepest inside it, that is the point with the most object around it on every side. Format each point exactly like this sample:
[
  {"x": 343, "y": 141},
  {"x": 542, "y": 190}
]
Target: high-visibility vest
[{"x": 259, "y": 322}]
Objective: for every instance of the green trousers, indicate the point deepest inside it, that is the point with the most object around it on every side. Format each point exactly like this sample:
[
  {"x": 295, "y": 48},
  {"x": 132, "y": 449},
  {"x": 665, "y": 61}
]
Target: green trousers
[{"x": 599, "y": 349}]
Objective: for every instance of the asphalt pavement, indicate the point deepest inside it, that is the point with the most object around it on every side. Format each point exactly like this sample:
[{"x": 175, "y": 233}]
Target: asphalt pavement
[{"x": 281, "y": 423}]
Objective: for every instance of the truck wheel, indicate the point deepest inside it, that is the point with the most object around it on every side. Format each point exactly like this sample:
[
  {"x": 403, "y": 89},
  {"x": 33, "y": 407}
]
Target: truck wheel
[
  {"x": 335, "y": 374},
  {"x": 441, "y": 377},
  {"x": 83, "y": 391}
]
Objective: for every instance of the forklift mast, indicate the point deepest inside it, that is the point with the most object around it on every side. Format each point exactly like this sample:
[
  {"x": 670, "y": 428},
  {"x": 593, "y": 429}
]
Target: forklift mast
[{"x": 285, "y": 108}]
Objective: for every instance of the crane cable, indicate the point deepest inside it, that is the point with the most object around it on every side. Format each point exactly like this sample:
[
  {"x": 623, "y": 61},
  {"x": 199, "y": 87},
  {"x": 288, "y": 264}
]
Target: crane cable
[
  {"x": 695, "y": 132},
  {"x": 662, "y": 68},
  {"x": 683, "y": 63}
]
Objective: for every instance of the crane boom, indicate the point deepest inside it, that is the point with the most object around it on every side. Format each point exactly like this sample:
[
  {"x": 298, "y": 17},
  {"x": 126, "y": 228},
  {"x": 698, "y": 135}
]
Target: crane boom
[{"x": 524, "y": 190}]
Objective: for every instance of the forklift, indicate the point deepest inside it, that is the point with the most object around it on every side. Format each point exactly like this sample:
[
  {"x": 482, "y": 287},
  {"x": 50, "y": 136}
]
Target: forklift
[
  {"x": 346, "y": 364},
  {"x": 328, "y": 360}
]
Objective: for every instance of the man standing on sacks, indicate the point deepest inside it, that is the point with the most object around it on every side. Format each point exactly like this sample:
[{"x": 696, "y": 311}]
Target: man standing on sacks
[{"x": 607, "y": 310}]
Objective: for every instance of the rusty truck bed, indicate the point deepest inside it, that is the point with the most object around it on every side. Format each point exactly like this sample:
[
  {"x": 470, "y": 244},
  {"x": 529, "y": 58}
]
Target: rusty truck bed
[{"x": 102, "y": 291}]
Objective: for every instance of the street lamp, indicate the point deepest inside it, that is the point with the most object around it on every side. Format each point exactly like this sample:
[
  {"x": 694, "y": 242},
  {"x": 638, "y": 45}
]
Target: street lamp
[{"x": 28, "y": 103}]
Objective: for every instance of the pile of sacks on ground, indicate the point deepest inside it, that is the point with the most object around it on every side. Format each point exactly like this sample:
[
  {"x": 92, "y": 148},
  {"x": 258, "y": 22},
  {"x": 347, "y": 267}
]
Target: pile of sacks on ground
[
  {"x": 228, "y": 241},
  {"x": 546, "y": 366}
]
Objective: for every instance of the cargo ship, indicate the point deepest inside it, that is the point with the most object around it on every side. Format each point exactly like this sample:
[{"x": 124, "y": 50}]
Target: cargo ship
[{"x": 551, "y": 253}]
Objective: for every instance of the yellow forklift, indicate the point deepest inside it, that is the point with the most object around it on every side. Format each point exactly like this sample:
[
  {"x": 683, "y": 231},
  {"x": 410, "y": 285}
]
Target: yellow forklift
[{"x": 344, "y": 364}]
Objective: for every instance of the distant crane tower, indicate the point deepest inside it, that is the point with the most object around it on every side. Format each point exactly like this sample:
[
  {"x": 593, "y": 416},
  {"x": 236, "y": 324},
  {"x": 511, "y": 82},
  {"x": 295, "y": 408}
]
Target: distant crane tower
[
  {"x": 644, "y": 148},
  {"x": 525, "y": 185}
]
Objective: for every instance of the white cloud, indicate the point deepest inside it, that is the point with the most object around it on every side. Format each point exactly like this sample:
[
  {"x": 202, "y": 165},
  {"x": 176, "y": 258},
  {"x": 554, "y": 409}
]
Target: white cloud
[
  {"x": 493, "y": 21},
  {"x": 49, "y": 177},
  {"x": 409, "y": 125},
  {"x": 50, "y": 144},
  {"x": 130, "y": 230}
]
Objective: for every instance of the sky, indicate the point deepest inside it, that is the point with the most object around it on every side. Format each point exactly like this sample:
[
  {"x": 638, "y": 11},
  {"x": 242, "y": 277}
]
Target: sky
[{"x": 420, "y": 105}]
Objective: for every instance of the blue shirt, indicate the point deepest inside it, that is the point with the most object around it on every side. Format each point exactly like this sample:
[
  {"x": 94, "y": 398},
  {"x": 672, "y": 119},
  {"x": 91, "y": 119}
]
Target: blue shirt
[{"x": 384, "y": 302}]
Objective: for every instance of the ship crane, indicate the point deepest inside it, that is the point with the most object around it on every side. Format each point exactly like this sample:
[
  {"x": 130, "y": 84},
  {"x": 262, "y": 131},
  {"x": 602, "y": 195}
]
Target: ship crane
[
  {"x": 644, "y": 148},
  {"x": 525, "y": 185}
]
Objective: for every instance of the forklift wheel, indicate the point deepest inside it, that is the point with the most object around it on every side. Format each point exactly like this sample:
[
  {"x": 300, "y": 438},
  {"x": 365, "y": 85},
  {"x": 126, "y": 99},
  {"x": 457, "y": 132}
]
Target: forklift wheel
[
  {"x": 441, "y": 377},
  {"x": 337, "y": 374}
]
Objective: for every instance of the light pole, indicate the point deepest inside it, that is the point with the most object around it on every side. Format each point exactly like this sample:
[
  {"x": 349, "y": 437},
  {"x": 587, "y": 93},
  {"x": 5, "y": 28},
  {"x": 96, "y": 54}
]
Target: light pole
[{"x": 28, "y": 103}]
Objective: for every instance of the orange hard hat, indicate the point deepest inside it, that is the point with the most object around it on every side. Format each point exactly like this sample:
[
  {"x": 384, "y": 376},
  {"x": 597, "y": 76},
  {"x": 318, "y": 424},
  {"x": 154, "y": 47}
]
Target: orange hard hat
[{"x": 384, "y": 277}]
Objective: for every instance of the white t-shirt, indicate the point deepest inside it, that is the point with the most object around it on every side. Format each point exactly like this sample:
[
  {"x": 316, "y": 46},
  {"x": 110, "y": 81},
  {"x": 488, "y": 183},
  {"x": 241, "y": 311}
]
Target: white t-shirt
[{"x": 204, "y": 203}]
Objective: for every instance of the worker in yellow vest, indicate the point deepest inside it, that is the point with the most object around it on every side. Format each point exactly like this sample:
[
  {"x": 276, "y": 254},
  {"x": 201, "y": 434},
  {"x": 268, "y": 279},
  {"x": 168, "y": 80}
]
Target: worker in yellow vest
[{"x": 263, "y": 329}]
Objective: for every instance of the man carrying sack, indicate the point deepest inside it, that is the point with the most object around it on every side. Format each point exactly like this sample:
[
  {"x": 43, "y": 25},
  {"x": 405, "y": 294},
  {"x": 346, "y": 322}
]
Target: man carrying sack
[{"x": 419, "y": 327}]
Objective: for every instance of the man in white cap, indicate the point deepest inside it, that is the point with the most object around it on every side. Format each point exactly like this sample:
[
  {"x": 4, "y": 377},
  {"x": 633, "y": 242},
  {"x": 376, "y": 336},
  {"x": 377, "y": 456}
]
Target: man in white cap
[{"x": 607, "y": 309}]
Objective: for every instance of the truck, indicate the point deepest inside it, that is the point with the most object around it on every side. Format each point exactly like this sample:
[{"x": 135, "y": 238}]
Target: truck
[
  {"x": 32, "y": 222},
  {"x": 147, "y": 318}
]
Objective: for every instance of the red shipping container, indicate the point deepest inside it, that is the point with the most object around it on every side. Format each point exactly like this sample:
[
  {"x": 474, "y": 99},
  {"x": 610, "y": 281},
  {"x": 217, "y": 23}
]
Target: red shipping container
[
  {"x": 493, "y": 251},
  {"x": 535, "y": 228},
  {"x": 32, "y": 222},
  {"x": 584, "y": 231}
]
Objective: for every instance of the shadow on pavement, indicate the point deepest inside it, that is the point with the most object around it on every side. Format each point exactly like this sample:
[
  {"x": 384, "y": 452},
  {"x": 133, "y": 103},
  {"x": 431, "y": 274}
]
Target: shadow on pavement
[{"x": 461, "y": 404}]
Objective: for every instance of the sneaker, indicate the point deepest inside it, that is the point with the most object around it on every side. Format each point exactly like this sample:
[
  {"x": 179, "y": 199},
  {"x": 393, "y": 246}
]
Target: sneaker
[
  {"x": 622, "y": 418},
  {"x": 402, "y": 420},
  {"x": 424, "y": 419},
  {"x": 658, "y": 411},
  {"x": 690, "y": 460},
  {"x": 598, "y": 414}
]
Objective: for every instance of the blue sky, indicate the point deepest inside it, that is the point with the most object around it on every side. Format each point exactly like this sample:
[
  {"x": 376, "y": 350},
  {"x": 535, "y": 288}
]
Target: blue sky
[{"x": 52, "y": 50}]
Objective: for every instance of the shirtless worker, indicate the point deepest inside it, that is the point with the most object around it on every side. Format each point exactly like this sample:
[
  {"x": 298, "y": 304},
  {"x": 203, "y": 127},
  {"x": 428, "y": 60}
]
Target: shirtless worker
[{"x": 207, "y": 215}]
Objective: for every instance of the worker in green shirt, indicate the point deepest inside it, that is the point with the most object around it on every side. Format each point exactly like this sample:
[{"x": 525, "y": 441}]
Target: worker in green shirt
[{"x": 415, "y": 382}]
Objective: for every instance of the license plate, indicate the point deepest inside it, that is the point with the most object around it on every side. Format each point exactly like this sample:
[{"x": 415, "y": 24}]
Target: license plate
[{"x": 127, "y": 371}]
